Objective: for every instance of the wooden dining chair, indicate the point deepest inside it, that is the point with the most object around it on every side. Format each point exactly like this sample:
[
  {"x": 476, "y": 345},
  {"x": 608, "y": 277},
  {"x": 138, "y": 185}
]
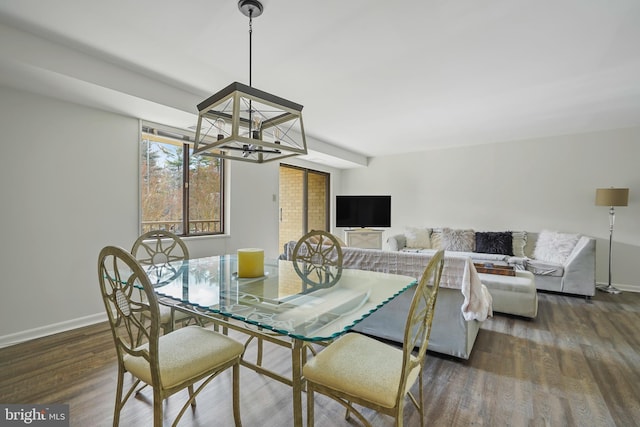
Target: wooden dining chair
[
  {"x": 163, "y": 256},
  {"x": 317, "y": 258},
  {"x": 356, "y": 369},
  {"x": 170, "y": 362}
]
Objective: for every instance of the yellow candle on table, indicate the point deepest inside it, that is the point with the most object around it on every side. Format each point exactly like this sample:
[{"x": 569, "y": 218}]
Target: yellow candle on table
[{"x": 250, "y": 262}]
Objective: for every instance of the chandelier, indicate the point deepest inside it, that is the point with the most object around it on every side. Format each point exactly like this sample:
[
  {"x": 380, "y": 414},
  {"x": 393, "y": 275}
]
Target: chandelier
[{"x": 243, "y": 123}]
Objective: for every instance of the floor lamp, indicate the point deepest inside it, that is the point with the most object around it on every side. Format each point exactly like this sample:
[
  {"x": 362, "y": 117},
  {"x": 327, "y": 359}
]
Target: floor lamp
[{"x": 611, "y": 197}]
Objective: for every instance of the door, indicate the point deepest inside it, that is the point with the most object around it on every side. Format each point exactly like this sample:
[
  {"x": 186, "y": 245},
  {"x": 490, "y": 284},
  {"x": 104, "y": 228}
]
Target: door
[{"x": 304, "y": 202}]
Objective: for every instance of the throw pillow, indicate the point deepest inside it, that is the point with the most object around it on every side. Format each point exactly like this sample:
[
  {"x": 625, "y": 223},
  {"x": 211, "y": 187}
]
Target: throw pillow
[
  {"x": 519, "y": 242},
  {"x": 458, "y": 240},
  {"x": 436, "y": 238},
  {"x": 418, "y": 238},
  {"x": 494, "y": 242},
  {"x": 554, "y": 247}
]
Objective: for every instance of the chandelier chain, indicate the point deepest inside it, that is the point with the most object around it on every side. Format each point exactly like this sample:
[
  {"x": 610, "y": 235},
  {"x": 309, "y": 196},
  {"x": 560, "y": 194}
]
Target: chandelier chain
[{"x": 250, "y": 42}]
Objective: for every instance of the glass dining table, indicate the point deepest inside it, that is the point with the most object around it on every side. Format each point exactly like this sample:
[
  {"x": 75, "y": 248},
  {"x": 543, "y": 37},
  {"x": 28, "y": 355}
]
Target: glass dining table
[{"x": 281, "y": 307}]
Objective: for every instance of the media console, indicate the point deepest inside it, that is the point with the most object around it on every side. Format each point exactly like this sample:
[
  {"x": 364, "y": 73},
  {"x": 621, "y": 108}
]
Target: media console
[{"x": 363, "y": 238}]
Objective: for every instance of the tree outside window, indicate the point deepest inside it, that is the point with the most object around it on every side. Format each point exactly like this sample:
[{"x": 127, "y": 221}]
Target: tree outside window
[{"x": 183, "y": 203}]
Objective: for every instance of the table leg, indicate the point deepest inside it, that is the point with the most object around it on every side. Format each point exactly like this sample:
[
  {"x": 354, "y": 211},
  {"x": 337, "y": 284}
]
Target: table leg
[{"x": 296, "y": 376}]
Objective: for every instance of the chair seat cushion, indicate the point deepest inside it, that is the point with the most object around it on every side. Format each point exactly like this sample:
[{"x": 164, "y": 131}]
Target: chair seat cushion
[
  {"x": 186, "y": 353},
  {"x": 360, "y": 366}
]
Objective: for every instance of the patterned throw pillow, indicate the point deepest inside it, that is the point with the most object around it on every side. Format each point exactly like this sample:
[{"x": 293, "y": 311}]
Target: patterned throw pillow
[
  {"x": 458, "y": 240},
  {"x": 555, "y": 247},
  {"x": 418, "y": 238},
  {"x": 519, "y": 242},
  {"x": 494, "y": 242},
  {"x": 436, "y": 238}
]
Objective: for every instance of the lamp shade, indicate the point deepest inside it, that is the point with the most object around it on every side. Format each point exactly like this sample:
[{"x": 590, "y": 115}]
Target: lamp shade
[{"x": 612, "y": 196}]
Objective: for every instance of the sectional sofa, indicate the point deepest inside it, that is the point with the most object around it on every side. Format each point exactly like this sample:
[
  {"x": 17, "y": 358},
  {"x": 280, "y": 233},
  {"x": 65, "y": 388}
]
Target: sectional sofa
[{"x": 559, "y": 262}]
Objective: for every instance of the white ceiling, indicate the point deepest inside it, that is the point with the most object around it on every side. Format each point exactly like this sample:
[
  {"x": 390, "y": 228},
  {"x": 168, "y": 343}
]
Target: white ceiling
[{"x": 375, "y": 77}]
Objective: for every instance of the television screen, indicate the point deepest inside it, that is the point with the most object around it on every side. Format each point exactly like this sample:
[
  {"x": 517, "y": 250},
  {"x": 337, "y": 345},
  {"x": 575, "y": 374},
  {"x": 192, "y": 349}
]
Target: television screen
[{"x": 363, "y": 211}]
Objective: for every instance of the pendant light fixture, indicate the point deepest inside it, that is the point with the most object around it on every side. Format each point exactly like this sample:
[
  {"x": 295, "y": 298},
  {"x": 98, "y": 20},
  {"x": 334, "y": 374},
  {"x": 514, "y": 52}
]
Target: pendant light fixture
[{"x": 243, "y": 123}]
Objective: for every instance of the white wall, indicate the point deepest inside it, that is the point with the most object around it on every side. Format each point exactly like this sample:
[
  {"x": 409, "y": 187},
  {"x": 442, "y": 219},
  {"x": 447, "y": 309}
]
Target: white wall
[
  {"x": 527, "y": 185},
  {"x": 69, "y": 186}
]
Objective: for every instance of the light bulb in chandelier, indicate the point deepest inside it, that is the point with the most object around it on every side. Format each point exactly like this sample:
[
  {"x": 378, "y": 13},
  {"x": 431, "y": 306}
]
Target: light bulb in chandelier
[
  {"x": 219, "y": 124},
  {"x": 256, "y": 126},
  {"x": 277, "y": 134}
]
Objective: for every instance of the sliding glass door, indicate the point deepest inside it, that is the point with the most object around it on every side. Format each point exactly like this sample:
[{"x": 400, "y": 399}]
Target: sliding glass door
[{"x": 304, "y": 202}]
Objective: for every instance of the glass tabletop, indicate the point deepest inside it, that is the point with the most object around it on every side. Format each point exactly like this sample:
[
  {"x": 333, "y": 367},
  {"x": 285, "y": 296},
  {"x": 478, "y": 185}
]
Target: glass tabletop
[{"x": 280, "y": 300}]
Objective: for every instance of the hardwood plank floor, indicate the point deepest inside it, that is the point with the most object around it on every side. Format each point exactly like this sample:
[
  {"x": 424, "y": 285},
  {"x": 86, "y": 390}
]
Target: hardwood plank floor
[{"x": 577, "y": 364}]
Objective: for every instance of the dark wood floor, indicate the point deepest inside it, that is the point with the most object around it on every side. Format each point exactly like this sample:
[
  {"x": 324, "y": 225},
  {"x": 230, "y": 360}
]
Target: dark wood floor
[{"x": 577, "y": 364}]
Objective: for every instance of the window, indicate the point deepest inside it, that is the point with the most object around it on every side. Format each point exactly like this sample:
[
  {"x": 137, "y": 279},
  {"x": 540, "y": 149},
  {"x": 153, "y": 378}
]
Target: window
[{"x": 180, "y": 192}]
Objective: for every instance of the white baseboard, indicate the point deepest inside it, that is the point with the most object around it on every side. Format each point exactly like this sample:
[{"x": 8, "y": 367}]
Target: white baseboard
[{"x": 22, "y": 336}]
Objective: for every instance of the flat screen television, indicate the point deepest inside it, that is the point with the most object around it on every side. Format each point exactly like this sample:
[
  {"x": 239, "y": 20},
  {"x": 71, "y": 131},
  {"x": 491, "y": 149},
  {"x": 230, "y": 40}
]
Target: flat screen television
[{"x": 363, "y": 211}]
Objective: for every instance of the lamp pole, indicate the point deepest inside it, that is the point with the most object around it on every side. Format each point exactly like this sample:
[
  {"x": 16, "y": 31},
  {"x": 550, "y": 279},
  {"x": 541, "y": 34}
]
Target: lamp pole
[{"x": 612, "y": 219}]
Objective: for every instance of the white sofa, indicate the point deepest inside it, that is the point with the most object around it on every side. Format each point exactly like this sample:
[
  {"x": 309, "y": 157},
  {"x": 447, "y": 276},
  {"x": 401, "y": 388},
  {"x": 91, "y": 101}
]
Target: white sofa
[
  {"x": 463, "y": 301},
  {"x": 560, "y": 262}
]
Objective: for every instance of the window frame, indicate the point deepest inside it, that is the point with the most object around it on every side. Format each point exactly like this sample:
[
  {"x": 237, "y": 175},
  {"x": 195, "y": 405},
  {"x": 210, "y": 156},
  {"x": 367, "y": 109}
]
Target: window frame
[{"x": 186, "y": 138}]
